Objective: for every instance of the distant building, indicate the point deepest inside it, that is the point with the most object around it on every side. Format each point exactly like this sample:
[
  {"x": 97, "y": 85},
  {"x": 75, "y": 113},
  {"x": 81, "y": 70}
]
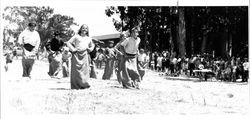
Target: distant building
[{"x": 106, "y": 38}]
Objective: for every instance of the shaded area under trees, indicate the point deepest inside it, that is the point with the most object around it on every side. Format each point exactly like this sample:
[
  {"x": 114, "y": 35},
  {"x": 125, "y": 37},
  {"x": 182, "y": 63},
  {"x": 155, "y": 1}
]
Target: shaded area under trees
[{"x": 187, "y": 30}]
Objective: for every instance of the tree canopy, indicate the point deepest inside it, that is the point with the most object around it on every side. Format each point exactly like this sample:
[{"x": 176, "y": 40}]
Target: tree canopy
[
  {"x": 186, "y": 30},
  {"x": 47, "y": 21}
]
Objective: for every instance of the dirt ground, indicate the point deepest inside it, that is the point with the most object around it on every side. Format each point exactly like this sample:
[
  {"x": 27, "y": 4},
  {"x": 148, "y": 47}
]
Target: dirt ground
[{"x": 159, "y": 95}]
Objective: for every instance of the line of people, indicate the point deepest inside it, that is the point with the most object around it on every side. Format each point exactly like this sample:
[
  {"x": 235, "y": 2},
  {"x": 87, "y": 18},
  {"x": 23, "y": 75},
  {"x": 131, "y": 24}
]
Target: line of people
[
  {"x": 227, "y": 69},
  {"x": 124, "y": 56},
  {"x": 81, "y": 49}
]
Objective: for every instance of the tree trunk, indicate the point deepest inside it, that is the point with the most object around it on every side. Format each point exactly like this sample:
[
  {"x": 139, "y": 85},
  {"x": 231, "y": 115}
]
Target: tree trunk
[
  {"x": 204, "y": 43},
  {"x": 181, "y": 33},
  {"x": 192, "y": 36},
  {"x": 171, "y": 43},
  {"x": 150, "y": 42},
  {"x": 145, "y": 40},
  {"x": 224, "y": 42},
  {"x": 158, "y": 40},
  {"x": 230, "y": 45}
]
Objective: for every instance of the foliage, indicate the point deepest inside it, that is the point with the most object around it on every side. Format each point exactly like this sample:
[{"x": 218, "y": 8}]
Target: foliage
[
  {"x": 162, "y": 27},
  {"x": 47, "y": 22}
]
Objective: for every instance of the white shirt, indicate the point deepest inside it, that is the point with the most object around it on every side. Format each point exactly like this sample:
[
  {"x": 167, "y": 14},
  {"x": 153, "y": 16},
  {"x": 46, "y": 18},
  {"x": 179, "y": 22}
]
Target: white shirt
[
  {"x": 159, "y": 61},
  {"x": 245, "y": 66},
  {"x": 131, "y": 45},
  {"x": 201, "y": 66},
  {"x": 31, "y": 37},
  {"x": 142, "y": 57},
  {"x": 82, "y": 43},
  {"x": 147, "y": 58},
  {"x": 174, "y": 61}
]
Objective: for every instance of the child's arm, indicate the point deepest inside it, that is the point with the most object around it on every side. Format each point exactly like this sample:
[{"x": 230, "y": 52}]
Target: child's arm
[{"x": 70, "y": 46}]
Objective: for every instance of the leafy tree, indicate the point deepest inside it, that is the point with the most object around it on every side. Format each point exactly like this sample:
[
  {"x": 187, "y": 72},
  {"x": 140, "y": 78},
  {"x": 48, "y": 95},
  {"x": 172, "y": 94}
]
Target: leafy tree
[
  {"x": 47, "y": 22},
  {"x": 216, "y": 28},
  {"x": 154, "y": 23},
  {"x": 187, "y": 30}
]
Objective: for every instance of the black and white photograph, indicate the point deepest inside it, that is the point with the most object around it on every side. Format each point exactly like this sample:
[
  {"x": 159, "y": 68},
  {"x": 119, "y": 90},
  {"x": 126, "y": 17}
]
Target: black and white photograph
[{"x": 124, "y": 59}]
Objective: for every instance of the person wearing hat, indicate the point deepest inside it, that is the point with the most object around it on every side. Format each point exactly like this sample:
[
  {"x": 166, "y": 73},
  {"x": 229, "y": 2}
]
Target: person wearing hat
[
  {"x": 109, "y": 54},
  {"x": 131, "y": 45},
  {"x": 55, "y": 55},
  {"x": 30, "y": 41}
]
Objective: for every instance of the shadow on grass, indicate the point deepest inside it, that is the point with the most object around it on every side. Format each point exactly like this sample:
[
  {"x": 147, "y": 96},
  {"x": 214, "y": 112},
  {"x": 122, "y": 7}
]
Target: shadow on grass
[
  {"x": 184, "y": 79},
  {"x": 63, "y": 82},
  {"x": 123, "y": 88},
  {"x": 120, "y": 87},
  {"x": 117, "y": 87},
  {"x": 59, "y": 89}
]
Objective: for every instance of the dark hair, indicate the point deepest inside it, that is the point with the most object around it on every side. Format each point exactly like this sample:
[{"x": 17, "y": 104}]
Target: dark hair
[
  {"x": 134, "y": 29},
  {"x": 57, "y": 33},
  {"x": 80, "y": 30},
  {"x": 32, "y": 24}
]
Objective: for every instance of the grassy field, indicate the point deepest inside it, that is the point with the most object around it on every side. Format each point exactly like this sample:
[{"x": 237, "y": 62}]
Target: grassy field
[{"x": 158, "y": 95}]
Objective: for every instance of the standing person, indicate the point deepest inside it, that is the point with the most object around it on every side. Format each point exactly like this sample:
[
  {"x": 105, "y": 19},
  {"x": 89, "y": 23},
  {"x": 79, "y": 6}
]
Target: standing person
[
  {"x": 99, "y": 59},
  {"x": 55, "y": 50},
  {"x": 155, "y": 60},
  {"x": 174, "y": 61},
  {"x": 109, "y": 61},
  {"x": 141, "y": 63},
  {"x": 131, "y": 45},
  {"x": 234, "y": 67},
  {"x": 148, "y": 60},
  {"x": 9, "y": 58},
  {"x": 92, "y": 60},
  {"x": 164, "y": 55},
  {"x": 191, "y": 66},
  {"x": 171, "y": 66},
  {"x": 65, "y": 61},
  {"x": 80, "y": 45},
  {"x": 15, "y": 52},
  {"x": 152, "y": 60},
  {"x": 120, "y": 60},
  {"x": 30, "y": 41},
  {"x": 239, "y": 68},
  {"x": 245, "y": 70},
  {"x": 159, "y": 62},
  {"x": 167, "y": 63}
]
